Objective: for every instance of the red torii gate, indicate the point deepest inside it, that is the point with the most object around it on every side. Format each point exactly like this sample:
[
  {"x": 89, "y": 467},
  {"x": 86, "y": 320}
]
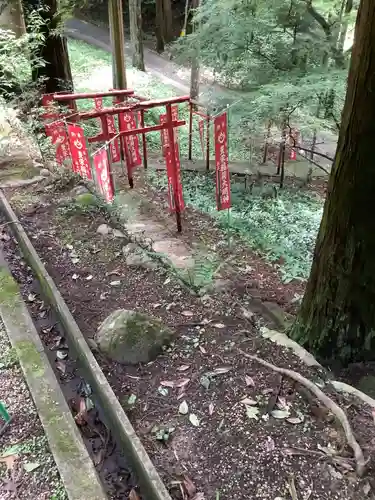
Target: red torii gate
[{"x": 142, "y": 106}]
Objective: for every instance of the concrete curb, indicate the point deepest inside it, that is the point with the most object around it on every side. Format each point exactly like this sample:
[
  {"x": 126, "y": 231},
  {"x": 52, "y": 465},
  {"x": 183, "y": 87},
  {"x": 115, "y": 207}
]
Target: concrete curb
[
  {"x": 150, "y": 482},
  {"x": 63, "y": 436}
]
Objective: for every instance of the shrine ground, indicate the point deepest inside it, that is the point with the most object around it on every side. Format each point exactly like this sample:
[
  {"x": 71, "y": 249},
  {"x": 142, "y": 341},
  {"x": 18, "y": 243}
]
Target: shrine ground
[{"x": 244, "y": 431}]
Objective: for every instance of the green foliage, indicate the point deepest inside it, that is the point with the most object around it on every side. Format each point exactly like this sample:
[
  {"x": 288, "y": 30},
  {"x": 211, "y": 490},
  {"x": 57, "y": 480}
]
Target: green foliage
[
  {"x": 283, "y": 229},
  {"x": 16, "y": 57},
  {"x": 283, "y": 53}
]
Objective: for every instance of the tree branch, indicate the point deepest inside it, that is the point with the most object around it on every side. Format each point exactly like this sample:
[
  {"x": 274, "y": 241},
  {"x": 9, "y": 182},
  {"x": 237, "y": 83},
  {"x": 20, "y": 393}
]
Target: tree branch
[{"x": 328, "y": 403}]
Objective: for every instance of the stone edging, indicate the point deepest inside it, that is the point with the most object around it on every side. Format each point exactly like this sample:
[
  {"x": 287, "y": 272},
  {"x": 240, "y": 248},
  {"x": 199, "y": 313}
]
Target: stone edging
[
  {"x": 65, "y": 441},
  {"x": 150, "y": 482}
]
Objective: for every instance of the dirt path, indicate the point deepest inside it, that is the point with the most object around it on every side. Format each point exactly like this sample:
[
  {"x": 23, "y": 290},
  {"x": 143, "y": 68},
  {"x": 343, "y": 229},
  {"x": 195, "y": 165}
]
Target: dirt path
[{"x": 242, "y": 432}]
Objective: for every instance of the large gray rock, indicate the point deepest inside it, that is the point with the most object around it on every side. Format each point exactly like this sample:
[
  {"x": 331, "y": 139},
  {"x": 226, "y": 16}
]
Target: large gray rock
[{"x": 131, "y": 337}]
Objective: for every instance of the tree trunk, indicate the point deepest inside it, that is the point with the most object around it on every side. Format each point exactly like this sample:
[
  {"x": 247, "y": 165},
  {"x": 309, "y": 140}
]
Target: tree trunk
[
  {"x": 195, "y": 69},
  {"x": 337, "y": 316},
  {"x": 135, "y": 21},
  {"x": 56, "y": 74},
  {"x": 346, "y": 10},
  {"x": 11, "y": 17},
  {"x": 167, "y": 21},
  {"x": 116, "y": 30},
  {"x": 159, "y": 32}
]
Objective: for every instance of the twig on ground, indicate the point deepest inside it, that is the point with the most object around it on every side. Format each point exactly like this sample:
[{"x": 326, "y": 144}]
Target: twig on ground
[
  {"x": 292, "y": 488},
  {"x": 327, "y": 401}
]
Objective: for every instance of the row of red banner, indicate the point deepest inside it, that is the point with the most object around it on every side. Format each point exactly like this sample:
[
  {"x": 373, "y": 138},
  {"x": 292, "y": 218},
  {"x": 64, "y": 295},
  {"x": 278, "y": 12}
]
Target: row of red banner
[{"x": 71, "y": 143}]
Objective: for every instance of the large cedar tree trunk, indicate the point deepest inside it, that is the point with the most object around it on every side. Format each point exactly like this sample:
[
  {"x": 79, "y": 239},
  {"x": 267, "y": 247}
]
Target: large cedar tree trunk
[
  {"x": 168, "y": 20},
  {"x": 56, "y": 72},
  {"x": 135, "y": 21},
  {"x": 337, "y": 316}
]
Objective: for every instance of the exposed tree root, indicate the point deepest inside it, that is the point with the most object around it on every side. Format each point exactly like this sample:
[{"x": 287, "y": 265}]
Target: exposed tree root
[{"x": 327, "y": 401}]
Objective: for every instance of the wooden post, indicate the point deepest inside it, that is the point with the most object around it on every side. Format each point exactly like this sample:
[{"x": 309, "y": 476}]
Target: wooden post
[
  {"x": 190, "y": 130},
  {"x": 208, "y": 142},
  {"x": 144, "y": 141},
  {"x": 173, "y": 157}
]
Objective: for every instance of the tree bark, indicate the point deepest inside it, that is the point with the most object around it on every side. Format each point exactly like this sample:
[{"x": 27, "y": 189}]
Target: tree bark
[
  {"x": 11, "y": 17},
  {"x": 55, "y": 75},
  {"x": 135, "y": 21},
  {"x": 159, "y": 32},
  {"x": 116, "y": 30},
  {"x": 195, "y": 67},
  {"x": 337, "y": 316},
  {"x": 168, "y": 21}
]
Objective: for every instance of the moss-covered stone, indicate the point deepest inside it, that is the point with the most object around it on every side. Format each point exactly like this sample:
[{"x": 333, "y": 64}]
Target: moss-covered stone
[
  {"x": 8, "y": 288},
  {"x": 86, "y": 200},
  {"x": 131, "y": 337}
]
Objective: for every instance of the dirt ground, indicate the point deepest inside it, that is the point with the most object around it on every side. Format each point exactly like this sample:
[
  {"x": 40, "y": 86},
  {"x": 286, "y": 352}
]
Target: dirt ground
[
  {"x": 27, "y": 468},
  {"x": 217, "y": 425}
]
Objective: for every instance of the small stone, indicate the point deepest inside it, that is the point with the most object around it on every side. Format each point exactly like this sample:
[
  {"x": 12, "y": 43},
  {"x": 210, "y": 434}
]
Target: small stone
[
  {"x": 129, "y": 248},
  {"x": 103, "y": 229},
  {"x": 45, "y": 172},
  {"x": 118, "y": 234}
]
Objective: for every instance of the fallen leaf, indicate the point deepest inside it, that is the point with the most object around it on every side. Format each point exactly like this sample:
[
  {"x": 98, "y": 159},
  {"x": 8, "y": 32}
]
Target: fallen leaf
[
  {"x": 155, "y": 306},
  {"x": 295, "y": 420},
  {"x": 69, "y": 247},
  {"x": 187, "y": 313},
  {"x": 133, "y": 495},
  {"x": 202, "y": 350},
  {"x": 183, "y": 368},
  {"x": 218, "y": 371},
  {"x": 248, "y": 401},
  {"x": 31, "y": 297},
  {"x": 328, "y": 450},
  {"x": 175, "y": 383},
  {"x": 75, "y": 260},
  {"x": 61, "y": 354},
  {"x": 132, "y": 399},
  {"x": 280, "y": 414},
  {"x": 282, "y": 404},
  {"x": 189, "y": 486},
  {"x": 218, "y": 325},
  {"x": 194, "y": 420},
  {"x": 210, "y": 409},
  {"x": 9, "y": 460},
  {"x": 163, "y": 391},
  {"x": 205, "y": 381},
  {"x": 61, "y": 366},
  {"x": 183, "y": 408},
  {"x": 249, "y": 381},
  {"x": 75, "y": 276},
  {"x": 168, "y": 280},
  {"x": 115, "y": 283},
  {"x": 89, "y": 277},
  {"x": 366, "y": 488},
  {"x": 252, "y": 412},
  {"x": 199, "y": 496},
  {"x": 269, "y": 444},
  {"x": 31, "y": 466}
]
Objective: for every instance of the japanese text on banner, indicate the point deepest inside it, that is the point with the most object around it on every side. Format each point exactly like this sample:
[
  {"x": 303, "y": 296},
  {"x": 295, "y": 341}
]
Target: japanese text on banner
[
  {"x": 114, "y": 145},
  {"x": 80, "y": 156},
  {"x": 221, "y": 160},
  {"x": 173, "y": 168},
  {"x": 130, "y": 142},
  {"x": 103, "y": 175},
  {"x": 56, "y": 130}
]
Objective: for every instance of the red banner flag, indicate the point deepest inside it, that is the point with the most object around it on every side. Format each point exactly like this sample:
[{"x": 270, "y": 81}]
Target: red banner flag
[
  {"x": 173, "y": 168},
  {"x": 221, "y": 158},
  {"x": 201, "y": 134},
  {"x": 130, "y": 143},
  {"x": 103, "y": 175},
  {"x": 98, "y": 102},
  {"x": 78, "y": 149},
  {"x": 56, "y": 130},
  {"x": 48, "y": 103}
]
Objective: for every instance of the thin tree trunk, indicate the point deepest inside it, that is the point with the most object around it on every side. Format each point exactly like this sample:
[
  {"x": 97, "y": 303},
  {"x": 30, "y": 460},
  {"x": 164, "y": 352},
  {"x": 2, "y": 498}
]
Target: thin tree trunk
[
  {"x": 337, "y": 316},
  {"x": 56, "y": 74},
  {"x": 159, "y": 22},
  {"x": 195, "y": 67},
  {"x": 11, "y": 17},
  {"x": 168, "y": 21},
  {"x": 118, "y": 42},
  {"x": 135, "y": 21},
  {"x": 347, "y": 8}
]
